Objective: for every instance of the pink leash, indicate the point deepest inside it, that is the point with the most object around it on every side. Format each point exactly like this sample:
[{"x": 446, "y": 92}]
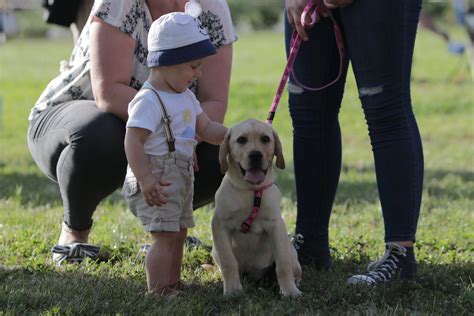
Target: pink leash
[{"x": 314, "y": 8}]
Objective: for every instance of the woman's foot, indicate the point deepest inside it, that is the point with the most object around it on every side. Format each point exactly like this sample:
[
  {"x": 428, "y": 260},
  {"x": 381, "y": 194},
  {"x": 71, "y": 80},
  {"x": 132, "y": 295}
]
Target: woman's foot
[
  {"x": 69, "y": 235},
  {"x": 72, "y": 246},
  {"x": 74, "y": 253},
  {"x": 312, "y": 252},
  {"x": 398, "y": 262}
]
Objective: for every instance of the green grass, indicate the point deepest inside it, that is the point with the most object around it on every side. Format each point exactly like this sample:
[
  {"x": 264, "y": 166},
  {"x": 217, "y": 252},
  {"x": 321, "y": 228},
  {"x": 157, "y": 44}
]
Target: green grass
[{"x": 30, "y": 206}]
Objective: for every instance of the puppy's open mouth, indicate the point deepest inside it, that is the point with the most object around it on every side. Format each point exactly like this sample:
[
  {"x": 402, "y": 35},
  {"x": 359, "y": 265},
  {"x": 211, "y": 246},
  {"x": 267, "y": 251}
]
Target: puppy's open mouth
[{"x": 253, "y": 176}]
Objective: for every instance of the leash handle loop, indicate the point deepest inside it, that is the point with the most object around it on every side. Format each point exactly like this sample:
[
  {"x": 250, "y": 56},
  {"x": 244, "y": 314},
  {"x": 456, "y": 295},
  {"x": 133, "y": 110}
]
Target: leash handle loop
[{"x": 340, "y": 47}]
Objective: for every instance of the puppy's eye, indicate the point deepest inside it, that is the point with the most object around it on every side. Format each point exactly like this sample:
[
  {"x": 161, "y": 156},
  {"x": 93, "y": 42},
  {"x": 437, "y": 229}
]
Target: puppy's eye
[
  {"x": 242, "y": 140},
  {"x": 265, "y": 139}
]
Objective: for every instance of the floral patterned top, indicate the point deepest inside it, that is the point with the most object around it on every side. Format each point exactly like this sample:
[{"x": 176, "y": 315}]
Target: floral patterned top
[{"x": 133, "y": 18}]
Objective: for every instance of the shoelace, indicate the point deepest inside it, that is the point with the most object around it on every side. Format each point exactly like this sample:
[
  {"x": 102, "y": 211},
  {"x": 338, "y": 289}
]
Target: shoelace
[
  {"x": 75, "y": 252},
  {"x": 297, "y": 240},
  {"x": 386, "y": 267}
]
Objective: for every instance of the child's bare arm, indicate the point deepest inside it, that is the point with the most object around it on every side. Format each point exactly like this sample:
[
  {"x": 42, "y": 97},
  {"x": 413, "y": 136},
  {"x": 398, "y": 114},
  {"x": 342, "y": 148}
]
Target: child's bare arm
[
  {"x": 211, "y": 132},
  {"x": 150, "y": 185}
]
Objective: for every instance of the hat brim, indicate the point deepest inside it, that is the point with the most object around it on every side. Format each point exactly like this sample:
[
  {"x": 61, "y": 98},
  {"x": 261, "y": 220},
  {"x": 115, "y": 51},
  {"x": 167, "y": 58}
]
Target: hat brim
[{"x": 181, "y": 55}]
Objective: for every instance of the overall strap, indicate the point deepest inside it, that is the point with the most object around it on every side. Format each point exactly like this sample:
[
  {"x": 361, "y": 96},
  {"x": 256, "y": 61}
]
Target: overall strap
[{"x": 167, "y": 121}]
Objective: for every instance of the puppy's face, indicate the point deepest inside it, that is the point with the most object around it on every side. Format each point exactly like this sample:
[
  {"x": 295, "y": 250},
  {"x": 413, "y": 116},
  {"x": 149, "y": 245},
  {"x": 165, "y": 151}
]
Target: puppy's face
[{"x": 249, "y": 148}]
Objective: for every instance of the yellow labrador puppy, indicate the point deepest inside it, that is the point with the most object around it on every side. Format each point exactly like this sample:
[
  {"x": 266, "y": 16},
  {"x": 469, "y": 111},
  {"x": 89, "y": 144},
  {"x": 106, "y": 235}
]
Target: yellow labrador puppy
[{"x": 247, "y": 228}]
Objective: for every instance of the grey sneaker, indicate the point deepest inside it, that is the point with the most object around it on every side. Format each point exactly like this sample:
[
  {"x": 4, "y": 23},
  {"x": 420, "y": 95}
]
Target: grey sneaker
[{"x": 398, "y": 262}]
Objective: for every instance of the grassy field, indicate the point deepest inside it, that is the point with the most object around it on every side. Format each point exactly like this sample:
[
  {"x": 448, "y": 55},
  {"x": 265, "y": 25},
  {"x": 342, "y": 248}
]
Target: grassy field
[{"x": 30, "y": 206}]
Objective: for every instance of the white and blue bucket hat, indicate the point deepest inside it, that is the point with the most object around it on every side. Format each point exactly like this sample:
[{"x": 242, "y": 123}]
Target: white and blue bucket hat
[{"x": 177, "y": 38}]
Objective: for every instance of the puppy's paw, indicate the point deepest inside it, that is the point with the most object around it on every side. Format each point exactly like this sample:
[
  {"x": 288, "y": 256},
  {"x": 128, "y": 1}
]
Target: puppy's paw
[
  {"x": 291, "y": 293},
  {"x": 298, "y": 282},
  {"x": 232, "y": 290},
  {"x": 298, "y": 276}
]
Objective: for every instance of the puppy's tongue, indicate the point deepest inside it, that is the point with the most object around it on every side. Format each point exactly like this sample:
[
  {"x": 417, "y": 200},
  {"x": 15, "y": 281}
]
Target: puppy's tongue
[{"x": 254, "y": 176}]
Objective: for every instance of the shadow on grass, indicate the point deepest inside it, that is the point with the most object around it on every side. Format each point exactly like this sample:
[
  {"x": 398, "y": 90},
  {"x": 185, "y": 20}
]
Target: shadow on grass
[
  {"x": 440, "y": 289},
  {"x": 77, "y": 291}
]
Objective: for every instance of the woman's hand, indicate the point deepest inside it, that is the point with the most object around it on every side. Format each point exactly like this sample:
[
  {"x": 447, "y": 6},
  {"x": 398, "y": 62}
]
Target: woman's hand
[
  {"x": 153, "y": 190},
  {"x": 294, "y": 9}
]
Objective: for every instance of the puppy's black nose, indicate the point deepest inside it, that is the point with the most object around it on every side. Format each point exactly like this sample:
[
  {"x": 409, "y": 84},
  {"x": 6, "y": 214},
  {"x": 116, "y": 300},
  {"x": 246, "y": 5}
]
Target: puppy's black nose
[{"x": 255, "y": 156}]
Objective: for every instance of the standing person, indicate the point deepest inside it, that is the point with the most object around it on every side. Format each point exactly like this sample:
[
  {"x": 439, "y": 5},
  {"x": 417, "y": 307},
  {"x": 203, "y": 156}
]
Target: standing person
[
  {"x": 427, "y": 22},
  {"x": 379, "y": 37},
  {"x": 77, "y": 126},
  {"x": 163, "y": 120}
]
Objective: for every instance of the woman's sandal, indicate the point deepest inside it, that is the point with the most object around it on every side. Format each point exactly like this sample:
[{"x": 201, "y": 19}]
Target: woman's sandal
[{"x": 74, "y": 252}]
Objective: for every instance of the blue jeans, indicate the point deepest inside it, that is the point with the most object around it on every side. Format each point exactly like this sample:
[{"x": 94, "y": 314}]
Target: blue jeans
[{"x": 379, "y": 38}]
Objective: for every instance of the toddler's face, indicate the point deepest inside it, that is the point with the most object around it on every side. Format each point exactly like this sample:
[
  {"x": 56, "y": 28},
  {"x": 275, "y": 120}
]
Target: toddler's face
[{"x": 181, "y": 76}]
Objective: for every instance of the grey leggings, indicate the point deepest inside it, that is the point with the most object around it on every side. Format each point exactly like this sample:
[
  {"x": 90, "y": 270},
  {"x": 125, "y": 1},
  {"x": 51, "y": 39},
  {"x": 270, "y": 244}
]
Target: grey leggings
[{"x": 81, "y": 148}]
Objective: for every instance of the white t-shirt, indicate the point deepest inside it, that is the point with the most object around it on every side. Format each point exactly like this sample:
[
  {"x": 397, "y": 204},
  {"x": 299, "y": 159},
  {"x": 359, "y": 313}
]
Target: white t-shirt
[
  {"x": 133, "y": 18},
  {"x": 144, "y": 111}
]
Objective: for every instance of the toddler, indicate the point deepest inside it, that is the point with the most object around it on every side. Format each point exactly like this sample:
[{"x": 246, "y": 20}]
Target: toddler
[{"x": 164, "y": 119}]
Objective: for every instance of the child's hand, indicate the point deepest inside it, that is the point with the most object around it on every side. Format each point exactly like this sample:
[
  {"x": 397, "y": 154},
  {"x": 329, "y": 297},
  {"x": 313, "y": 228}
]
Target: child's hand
[{"x": 152, "y": 190}]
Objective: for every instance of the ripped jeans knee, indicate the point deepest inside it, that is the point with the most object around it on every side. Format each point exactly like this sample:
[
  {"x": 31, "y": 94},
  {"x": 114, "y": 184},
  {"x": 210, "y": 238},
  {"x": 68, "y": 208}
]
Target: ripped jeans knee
[{"x": 370, "y": 91}]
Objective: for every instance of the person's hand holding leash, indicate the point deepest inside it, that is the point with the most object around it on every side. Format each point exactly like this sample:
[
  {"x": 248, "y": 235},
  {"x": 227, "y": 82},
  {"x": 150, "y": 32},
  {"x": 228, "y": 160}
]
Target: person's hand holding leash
[{"x": 294, "y": 9}]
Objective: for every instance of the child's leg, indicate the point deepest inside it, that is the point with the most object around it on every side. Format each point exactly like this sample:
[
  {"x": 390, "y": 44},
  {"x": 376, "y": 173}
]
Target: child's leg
[
  {"x": 159, "y": 258},
  {"x": 177, "y": 258}
]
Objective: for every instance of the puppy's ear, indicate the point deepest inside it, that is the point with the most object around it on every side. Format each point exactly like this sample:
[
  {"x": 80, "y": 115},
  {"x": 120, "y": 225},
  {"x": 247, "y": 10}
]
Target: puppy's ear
[
  {"x": 224, "y": 151},
  {"x": 280, "y": 161}
]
